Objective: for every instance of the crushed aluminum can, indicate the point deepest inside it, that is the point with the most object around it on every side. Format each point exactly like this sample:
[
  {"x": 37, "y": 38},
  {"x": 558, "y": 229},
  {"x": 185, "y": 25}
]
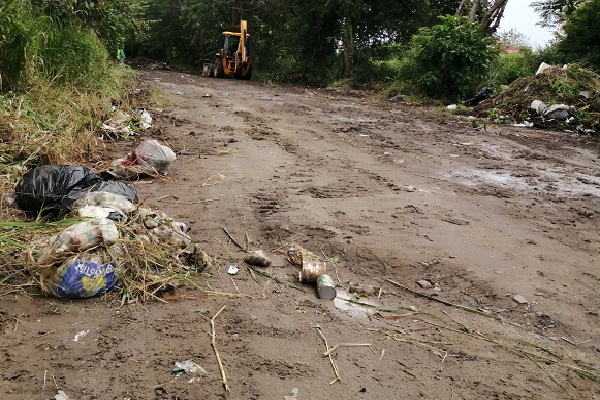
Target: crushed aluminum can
[
  {"x": 311, "y": 270},
  {"x": 326, "y": 287}
]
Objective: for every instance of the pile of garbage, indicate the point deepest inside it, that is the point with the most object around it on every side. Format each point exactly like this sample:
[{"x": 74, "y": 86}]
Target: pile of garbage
[
  {"x": 557, "y": 97},
  {"x": 113, "y": 243}
]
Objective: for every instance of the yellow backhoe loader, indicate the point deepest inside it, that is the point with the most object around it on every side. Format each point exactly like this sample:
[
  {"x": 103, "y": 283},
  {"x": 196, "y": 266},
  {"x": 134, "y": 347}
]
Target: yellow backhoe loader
[{"x": 234, "y": 58}]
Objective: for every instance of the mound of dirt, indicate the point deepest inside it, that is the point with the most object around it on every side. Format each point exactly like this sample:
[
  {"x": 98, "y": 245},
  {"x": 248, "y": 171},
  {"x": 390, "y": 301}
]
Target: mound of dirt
[{"x": 575, "y": 87}]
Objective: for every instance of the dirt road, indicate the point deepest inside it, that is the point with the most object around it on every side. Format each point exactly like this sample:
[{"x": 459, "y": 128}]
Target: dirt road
[{"x": 503, "y": 221}]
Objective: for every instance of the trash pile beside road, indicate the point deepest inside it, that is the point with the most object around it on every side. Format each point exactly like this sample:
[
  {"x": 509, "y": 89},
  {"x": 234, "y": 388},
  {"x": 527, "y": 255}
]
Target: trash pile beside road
[
  {"x": 118, "y": 244},
  {"x": 565, "y": 98}
]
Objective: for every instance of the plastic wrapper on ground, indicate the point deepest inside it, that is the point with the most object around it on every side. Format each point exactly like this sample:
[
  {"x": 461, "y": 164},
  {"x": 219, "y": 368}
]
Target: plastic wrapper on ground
[
  {"x": 148, "y": 158},
  {"x": 79, "y": 277},
  {"x": 103, "y": 205},
  {"x": 79, "y": 237}
]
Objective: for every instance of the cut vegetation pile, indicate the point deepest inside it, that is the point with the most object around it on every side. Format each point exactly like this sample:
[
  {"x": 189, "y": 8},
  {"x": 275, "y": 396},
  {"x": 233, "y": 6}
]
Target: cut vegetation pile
[{"x": 572, "y": 86}]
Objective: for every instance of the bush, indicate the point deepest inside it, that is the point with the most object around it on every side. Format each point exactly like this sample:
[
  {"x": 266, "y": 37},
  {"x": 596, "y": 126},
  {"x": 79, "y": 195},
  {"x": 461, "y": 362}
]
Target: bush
[
  {"x": 509, "y": 67},
  {"x": 451, "y": 59}
]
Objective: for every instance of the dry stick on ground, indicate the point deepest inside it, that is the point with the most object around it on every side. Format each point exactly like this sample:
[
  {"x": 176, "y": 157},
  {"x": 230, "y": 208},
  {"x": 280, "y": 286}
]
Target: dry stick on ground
[
  {"x": 207, "y": 293},
  {"x": 234, "y": 241},
  {"x": 334, "y": 348},
  {"x": 213, "y": 342},
  {"x": 337, "y": 373},
  {"x": 235, "y": 286},
  {"x": 252, "y": 275}
]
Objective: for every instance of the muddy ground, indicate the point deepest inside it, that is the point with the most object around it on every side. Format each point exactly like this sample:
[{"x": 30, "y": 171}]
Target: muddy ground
[{"x": 390, "y": 192}]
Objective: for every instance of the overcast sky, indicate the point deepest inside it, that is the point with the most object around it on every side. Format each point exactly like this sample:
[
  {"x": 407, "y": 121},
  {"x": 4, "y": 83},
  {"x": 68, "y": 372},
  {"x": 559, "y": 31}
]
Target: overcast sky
[{"x": 520, "y": 16}]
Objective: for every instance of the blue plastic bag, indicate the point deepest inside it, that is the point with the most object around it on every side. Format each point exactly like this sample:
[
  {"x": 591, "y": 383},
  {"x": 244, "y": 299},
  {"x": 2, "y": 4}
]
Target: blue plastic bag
[{"x": 80, "y": 277}]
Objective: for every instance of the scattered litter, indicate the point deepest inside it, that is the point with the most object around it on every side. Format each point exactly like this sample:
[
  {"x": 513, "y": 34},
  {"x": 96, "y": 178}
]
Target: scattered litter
[
  {"x": 165, "y": 227},
  {"x": 525, "y": 124},
  {"x": 148, "y": 158},
  {"x": 363, "y": 135},
  {"x": 543, "y": 67},
  {"x": 258, "y": 258},
  {"x": 145, "y": 118},
  {"x": 451, "y": 106},
  {"x": 52, "y": 189},
  {"x": 207, "y": 95},
  {"x": 297, "y": 255},
  {"x": 326, "y": 287},
  {"x": 226, "y": 94},
  {"x": 187, "y": 367},
  {"x": 233, "y": 269},
  {"x": 80, "y": 335},
  {"x": 311, "y": 270},
  {"x": 454, "y": 156},
  {"x": 118, "y": 124}
]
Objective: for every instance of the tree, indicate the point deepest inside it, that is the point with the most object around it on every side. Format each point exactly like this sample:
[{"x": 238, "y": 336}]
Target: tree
[
  {"x": 555, "y": 12},
  {"x": 581, "y": 40},
  {"x": 488, "y": 13}
]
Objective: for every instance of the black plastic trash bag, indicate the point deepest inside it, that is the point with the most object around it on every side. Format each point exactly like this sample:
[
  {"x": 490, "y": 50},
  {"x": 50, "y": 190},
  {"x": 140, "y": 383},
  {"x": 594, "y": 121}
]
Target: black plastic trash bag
[
  {"x": 52, "y": 189},
  {"x": 479, "y": 97}
]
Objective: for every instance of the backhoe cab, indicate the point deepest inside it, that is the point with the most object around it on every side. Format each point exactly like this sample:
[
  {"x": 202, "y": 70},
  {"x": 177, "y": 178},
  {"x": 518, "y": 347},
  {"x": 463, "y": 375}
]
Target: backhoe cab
[{"x": 233, "y": 57}]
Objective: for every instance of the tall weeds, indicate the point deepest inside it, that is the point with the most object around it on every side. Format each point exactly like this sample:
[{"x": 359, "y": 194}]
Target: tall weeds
[{"x": 56, "y": 83}]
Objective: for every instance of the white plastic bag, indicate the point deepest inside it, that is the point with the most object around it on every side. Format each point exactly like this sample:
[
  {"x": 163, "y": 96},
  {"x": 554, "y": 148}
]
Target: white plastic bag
[
  {"x": 79, "y": 237},
  {"x": 102, "y": 204},
  {"x": 149, "y": 157}
]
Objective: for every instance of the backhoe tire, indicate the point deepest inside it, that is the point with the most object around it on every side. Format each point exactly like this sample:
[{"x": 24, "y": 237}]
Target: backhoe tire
[{"x": 218, "y": 68}]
